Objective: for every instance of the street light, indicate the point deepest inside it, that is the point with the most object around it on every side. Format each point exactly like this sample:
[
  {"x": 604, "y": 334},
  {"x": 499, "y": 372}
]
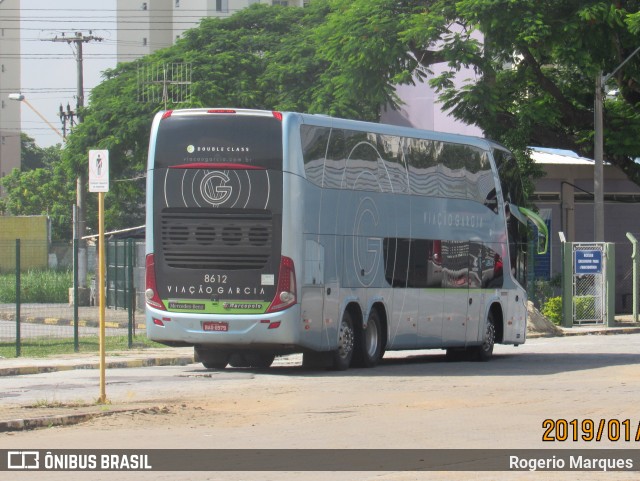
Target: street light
[
  {"x": 598, "y": 150},
  {"x": 20, "y": 98}
]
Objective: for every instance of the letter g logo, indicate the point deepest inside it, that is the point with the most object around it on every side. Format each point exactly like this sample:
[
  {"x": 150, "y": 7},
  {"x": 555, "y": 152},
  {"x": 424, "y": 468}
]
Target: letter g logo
[{"x": 214, "y": 188}]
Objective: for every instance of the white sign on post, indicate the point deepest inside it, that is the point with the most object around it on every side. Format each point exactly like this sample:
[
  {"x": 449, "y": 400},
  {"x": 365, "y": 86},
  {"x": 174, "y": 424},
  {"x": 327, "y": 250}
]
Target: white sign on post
[{"x": 98, "y": 171}]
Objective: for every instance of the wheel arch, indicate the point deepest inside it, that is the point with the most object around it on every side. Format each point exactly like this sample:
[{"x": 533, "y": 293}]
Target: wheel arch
[
  {"x": 495, "y": 310},
  {"x": 355, "y": 310}
]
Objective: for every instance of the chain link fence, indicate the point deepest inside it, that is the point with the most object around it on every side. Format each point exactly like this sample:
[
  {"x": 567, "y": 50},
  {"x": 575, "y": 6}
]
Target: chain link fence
[{"x": 38, "y": 311}]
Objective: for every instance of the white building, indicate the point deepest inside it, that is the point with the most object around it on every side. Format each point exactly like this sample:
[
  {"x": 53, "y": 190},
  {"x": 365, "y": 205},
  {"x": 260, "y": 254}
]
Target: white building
[
  {"x": 147, "y": 26},
  {"x": 9, "y": 82}
]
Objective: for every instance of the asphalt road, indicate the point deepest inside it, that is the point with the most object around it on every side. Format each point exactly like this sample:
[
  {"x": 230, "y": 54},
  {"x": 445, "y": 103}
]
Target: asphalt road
[{"x": 412, "y": 400}]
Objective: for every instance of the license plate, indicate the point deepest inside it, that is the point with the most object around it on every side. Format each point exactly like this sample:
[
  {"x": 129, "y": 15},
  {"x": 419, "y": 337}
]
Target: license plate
[{"x": 215, "y": 326}]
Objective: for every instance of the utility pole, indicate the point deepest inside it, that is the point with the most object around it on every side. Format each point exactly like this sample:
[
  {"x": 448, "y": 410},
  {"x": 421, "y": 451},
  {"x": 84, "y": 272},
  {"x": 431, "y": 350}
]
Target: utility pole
[
  {"x": 66, "y": 116},
  {"x": 598, "y": 149},
  {"x": 77, "y": 40}
]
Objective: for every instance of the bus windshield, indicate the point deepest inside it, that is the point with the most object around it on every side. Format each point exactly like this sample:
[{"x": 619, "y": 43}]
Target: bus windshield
[{"x": 219, "y": 139}]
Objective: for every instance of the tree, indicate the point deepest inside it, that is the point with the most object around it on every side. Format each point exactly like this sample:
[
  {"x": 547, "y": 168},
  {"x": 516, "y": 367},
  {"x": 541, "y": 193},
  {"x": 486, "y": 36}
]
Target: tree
[
  {"x": 535, "y": 63},
  {"x": 232, "y": 62},
  {"x": 41, "y": 188}
]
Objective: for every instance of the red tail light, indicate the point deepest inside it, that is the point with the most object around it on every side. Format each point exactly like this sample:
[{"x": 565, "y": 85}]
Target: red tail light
[
  {"x": 286, "y": 292},
  {"x": 167, "y": 114},
  {"x": 151, "y": 293},
  {"x": 221, "y": 111},
  {"x": 277, "y": 115},
  {"x": 437, "y": 252}
]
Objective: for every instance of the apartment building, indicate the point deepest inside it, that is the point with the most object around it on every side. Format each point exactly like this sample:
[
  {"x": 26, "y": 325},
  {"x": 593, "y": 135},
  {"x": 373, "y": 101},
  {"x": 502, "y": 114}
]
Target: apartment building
[
  {"x": 147, "y": 26},
  {"x": 9, "y": 83}
]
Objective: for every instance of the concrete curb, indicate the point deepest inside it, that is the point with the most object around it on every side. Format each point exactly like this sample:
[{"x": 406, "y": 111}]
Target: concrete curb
[
  {"x": 611, "y": 331},
  {"x": 120, "y": 364},
  {"x": 65, "y": 419},
  {"x": 586, "y": 331}
]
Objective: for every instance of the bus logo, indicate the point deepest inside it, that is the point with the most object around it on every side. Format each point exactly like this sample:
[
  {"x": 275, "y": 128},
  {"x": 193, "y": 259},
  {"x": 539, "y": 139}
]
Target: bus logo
[{"x": 214, "y": 188}]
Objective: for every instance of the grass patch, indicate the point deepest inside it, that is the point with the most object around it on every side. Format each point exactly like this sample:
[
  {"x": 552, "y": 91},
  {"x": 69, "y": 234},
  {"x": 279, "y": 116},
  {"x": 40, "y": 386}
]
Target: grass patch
[
  {"x": 38, "y": 286},
  {"x": 40, "y": 347},
  {"x": 45, "y": 403}
]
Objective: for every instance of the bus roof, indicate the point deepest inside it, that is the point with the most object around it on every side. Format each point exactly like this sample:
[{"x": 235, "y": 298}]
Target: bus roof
[{"x": 336, "y": 122}]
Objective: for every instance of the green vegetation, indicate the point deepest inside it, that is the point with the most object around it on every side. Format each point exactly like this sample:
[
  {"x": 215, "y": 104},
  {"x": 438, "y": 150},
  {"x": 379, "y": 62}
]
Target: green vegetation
[
  {"x": 552, "y": 310},
  {"x": 51, "y": 347},
  {"x": 585, "y": 308},
  {"x": 42, "y": 286}
]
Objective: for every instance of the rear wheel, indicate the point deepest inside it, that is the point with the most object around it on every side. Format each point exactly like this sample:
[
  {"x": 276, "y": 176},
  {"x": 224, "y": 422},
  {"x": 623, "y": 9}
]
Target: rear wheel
[
  {"x": 369, "y": 342},
  {"x": 484, "y": 352},
  {"x": 261, "y": 360},
  {"x": 257, "y": 359},
  {"x": 212, "y": 359},
  {"x": 238, "y": 359},
  {"x": 346, "y": 339}
]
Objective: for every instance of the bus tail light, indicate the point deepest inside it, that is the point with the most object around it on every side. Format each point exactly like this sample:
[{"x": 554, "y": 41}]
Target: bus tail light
[
  {"x": 286, "y": 292},
  {"x": 151, "y": 293}
]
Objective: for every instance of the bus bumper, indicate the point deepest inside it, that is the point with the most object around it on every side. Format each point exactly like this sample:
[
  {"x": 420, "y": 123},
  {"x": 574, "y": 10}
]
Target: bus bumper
[{"x": 279, "y": 330}]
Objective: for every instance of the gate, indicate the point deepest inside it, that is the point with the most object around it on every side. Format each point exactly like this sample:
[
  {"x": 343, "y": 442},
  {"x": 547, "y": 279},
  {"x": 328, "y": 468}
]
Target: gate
[
  {"x": 589, "y": 303},
  {"x": 125, "y": 273}
]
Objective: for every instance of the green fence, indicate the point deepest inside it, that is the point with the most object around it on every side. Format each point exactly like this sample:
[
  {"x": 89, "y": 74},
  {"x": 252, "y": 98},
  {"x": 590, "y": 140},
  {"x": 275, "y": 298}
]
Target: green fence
[{"x": 39, "y": 314}]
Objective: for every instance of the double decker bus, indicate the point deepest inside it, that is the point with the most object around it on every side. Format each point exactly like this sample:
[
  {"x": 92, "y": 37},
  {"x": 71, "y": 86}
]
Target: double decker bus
[{"x": 269, "y": 233}]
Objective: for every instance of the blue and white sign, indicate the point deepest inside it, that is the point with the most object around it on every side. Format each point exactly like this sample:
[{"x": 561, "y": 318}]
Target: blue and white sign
[{"x": 587, "y": 262}]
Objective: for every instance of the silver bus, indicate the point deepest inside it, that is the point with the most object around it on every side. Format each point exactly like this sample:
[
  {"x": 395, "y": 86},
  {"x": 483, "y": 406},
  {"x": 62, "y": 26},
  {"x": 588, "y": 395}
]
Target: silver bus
[{"x": 271, "y": 233}]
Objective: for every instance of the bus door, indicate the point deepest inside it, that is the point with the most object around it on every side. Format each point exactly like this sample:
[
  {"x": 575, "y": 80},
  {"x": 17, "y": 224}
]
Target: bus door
[
  {"x": 313, "y": 292},
  {"x": 455, "y": 280},
  {"x": 485, "y": 270}
]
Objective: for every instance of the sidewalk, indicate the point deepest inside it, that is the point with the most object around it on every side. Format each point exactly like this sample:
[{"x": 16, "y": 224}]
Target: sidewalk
[
  {"x": 18, "y": 418},
  {"x": 113, "y": 360}
]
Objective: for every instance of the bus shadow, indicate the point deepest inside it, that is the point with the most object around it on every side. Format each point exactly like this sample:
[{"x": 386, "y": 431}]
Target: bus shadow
[{"x": 437, "y": 365}]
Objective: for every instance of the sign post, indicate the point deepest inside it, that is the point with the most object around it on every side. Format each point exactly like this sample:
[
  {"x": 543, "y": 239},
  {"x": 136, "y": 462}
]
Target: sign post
[{"x": 99, "y": 182}]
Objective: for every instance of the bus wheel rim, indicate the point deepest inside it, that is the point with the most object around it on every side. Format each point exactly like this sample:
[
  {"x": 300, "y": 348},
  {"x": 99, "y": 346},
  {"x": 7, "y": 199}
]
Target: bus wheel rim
[
  {"x": 346, "y": 339},
  {"x": 371, "y": 338}
]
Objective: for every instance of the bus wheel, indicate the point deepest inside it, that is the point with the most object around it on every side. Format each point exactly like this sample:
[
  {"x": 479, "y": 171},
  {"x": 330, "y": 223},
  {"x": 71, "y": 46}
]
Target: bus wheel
[
  {"x": 484, "y": 352},
  {"x": 346, "y": 336},
  {"x": 238, "y": 359},
  {"x": 212, "y": 359},
  {"x": 369, "y": 342},
  {"x": 260, "y": 360}
]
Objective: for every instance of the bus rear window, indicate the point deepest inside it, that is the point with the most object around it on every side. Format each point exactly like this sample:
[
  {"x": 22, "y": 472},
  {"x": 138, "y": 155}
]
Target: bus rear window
[{"x": 219, "y": 139}]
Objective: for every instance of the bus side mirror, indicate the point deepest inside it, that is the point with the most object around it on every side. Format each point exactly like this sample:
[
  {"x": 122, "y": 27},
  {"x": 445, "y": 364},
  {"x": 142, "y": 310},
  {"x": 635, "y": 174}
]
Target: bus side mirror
[{"x": 542, "y": 242}]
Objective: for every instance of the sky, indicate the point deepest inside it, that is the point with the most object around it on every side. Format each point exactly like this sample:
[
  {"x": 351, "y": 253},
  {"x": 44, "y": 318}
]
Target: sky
[{"x": 49, "y": 69}]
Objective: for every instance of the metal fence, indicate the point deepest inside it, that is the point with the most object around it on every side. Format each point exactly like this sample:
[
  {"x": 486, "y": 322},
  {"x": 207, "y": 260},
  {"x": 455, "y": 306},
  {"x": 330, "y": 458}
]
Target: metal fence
[{"x": 39, "y": 314}]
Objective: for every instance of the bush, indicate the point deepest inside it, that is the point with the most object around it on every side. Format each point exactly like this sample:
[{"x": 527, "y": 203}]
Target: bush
[
  {"x": 50, "y": 286},
  {"x": 552, "y": 310}
]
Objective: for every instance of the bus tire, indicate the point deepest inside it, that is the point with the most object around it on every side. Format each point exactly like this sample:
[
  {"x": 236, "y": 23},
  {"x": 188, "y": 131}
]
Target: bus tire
[
  {"x": 211, "y": 358},
  {"x": 259, "y": 360},
  {"x": 238, "y": 359},
  {"x": 484, "y": 352},
  {"x": 369, "y": 342},
  {"x": 346, "y": 339}
]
